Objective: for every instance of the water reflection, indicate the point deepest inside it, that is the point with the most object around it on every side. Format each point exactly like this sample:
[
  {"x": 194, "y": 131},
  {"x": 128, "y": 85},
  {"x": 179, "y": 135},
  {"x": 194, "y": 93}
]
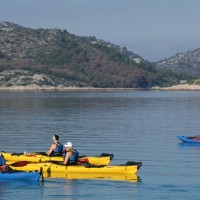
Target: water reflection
[
  {"x": 94, "y": 176},
  {"x": 16, "y": 189},
  {"x": 135, "y": 126},
  {"x": 194, "y": 146},
  {"x": 189, "y": 144}
]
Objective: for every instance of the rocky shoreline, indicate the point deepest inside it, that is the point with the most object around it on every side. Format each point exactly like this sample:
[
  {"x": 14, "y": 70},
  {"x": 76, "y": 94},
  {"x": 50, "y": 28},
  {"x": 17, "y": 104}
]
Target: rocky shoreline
[
  {"x": 45, "y": 88},
  {"x": 36, "y": 88},
  {"x": 181, "y": 87},
  {"x": 25, "y": 81}
]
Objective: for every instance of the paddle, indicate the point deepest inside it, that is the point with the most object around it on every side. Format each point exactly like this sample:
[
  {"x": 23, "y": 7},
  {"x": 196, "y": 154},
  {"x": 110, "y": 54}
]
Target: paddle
[
  {"x": 41, "y": 174},
  {"x": 19, "y": 164},
  {"x": 24, "y": 163}
]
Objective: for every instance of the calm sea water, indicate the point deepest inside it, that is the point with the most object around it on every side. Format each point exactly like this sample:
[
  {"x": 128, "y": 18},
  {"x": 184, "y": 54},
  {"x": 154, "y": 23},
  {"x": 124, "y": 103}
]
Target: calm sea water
[{"x": 134, "y": 126}]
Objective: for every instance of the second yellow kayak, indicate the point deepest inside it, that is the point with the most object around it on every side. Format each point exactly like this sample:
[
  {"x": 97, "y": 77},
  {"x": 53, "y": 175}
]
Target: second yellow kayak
[{"x": 128, "y": 168}]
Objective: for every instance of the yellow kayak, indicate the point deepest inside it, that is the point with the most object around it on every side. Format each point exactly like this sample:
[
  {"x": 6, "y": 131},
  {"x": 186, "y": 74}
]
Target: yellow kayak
[
  {"x": 103, "y": 159},
  {"x": 96, "y": 176},
  {"x": 49, "y": 167}
]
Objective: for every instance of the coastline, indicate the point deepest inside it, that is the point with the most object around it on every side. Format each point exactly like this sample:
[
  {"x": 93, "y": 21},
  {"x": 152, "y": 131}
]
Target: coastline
[
  {"x": 36, "y": 88},
  {"x": 45, "y": 88},
  {"x": 180, "y": 87}
]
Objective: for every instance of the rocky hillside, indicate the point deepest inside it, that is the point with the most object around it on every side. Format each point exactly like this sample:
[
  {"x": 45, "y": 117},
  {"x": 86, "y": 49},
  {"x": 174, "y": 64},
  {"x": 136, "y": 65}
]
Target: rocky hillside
[
  {"x": 188, "y": 62},
  {"x": 56, "y": 57}
]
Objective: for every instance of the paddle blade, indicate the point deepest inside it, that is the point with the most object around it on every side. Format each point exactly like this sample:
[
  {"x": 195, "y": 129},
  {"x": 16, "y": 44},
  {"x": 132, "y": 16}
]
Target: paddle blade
[
  {"x": 41, "y": 174},
  {"x": 20, "y": 164}
]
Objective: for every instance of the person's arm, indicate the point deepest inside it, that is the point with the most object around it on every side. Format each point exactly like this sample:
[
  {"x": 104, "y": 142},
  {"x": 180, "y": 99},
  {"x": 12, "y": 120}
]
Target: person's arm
[
  {"x": 51, "y": 149},
  {"x": 67, "y": 157}
]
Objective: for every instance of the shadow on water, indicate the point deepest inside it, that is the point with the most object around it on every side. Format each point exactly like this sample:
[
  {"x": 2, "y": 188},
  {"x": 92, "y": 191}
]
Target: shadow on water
[{"x": 189, "y": 145}]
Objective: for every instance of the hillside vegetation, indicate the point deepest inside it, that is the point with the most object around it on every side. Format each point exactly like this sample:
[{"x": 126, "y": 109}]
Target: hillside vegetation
[
  {"x": 61, "y": 58},
  {"x": 187, "y": 62}
]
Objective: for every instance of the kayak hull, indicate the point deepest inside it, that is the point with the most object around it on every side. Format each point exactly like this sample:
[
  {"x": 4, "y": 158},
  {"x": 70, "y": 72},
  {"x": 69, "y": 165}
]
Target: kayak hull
[
  {"x": 103, "y": 159},
  {"x": 23, "y": 176},
  {"x": 185, "y": 139},
  {"x": 58, "y": 168}
]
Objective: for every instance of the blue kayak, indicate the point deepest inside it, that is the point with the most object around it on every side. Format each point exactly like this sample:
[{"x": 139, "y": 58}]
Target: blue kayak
[
  {"x": 7, "y": 174},
  {"x": 188, "y": 139},
  {"x": 20, "y": 175}
]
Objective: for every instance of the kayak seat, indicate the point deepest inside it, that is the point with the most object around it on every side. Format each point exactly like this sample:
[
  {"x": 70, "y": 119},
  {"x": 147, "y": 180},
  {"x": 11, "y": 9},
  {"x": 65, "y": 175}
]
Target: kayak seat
[
  {"x": 17, "y": 154},
  {"x": 107, "y": 155},
  {"x": 88, "y": 165},
  {"x": 133, "y": 163}
]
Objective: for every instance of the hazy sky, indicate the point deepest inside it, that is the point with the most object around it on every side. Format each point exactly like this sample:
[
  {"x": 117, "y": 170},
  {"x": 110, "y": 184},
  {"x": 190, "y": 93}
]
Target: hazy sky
[{"x": 153, "y": 29}]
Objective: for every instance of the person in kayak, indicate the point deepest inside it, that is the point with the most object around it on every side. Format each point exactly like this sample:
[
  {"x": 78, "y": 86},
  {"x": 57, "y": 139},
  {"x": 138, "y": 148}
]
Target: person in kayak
[
  {"x": 70, "y": 155},
  {"x": 3, "y": 166},
  {"x": 56, "y": 148}
]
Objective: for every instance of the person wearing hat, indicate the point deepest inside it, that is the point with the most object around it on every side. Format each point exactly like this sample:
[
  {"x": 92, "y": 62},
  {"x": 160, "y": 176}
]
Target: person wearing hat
[
  {"x": 56, "y": 148},
  {"x": 70, "y": 155}
]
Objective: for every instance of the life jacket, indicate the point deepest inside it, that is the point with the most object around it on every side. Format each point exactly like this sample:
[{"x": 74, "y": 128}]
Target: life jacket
[
  {"x": 58, "y": 150},
  {"x": 2, "y": 160},
  {"x": 196, "y": 138},
  {"x": 74, "y": 158},
  {"x": 5, "y": 168}
]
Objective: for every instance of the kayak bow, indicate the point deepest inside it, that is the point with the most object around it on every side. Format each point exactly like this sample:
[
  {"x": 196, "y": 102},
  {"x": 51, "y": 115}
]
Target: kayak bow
[{"x": 185, "y": 139}]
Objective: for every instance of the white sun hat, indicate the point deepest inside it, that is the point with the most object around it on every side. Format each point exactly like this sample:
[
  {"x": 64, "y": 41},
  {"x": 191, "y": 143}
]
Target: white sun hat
[{"x": 68, "y": 144}]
